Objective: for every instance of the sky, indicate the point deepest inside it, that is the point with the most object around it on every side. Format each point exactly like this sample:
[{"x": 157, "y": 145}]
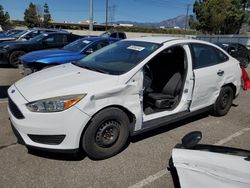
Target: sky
[{"x": 122, "y": 10}]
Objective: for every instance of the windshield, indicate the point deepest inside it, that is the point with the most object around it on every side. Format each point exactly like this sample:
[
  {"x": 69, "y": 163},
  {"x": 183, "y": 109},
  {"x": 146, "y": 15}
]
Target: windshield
[
  {"x": 77, "y": 45},
  {"x": 17, "y": 35},
  {"x": 119, "y": 57}
]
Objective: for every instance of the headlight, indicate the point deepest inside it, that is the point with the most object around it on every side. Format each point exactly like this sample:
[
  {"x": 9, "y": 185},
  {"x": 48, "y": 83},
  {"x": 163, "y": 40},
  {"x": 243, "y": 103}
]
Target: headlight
[{"x": 56, "y": 104}]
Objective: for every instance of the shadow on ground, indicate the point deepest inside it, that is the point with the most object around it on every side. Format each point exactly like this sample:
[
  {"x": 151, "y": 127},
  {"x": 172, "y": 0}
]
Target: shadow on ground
[
  {"x": 168, "y": 127},
  {"x": 7, "y": 66},
  {"x": 3, "y": 91},
  {"x": 57, "y": 156}
]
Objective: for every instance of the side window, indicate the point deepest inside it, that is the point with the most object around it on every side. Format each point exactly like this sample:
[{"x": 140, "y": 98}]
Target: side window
[
  {"x": 205, "y": 55},
  {"x": 113, "y": 35},
  {"x": 99, "y": 45},
  {"x": 50, "y": 39},
  {"x": 241, "y": 47},
  {"x": 55, "y": 39},
  {"x": 60, "y": 38},
  {"x": 72, "y": 37},
  {"x": 121, "y": 35}
]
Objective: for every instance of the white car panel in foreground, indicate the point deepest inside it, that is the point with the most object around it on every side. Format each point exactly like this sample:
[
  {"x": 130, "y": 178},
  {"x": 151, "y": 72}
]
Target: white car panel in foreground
[
  {"x": 200, "y": 165},
  {"x": 208, "y": 169},
  {"x": 123, "y": 89}
]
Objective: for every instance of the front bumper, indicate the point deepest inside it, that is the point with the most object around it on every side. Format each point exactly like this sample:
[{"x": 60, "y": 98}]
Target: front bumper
[{"x": 52, "y": 131}]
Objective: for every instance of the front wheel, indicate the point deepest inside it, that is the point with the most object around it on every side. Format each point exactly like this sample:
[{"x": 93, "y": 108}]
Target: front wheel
[
  {"x": 107, "y": 134},
  {"x": 14, "y": 58},
  {"x": 223, "y": 102}
]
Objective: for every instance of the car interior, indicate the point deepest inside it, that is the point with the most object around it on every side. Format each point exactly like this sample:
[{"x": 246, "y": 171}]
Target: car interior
[{"x": 164, "y": 79}]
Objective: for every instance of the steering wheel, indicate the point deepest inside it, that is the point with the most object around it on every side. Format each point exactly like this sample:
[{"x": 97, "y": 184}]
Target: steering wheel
[{"x": 148, "y": 78}]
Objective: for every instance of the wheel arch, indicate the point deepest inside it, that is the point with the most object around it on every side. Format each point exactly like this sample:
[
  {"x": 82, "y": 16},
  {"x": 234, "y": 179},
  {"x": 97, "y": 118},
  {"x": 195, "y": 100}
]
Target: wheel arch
[
  {"x": 232, "y": 86},
  {"x": 131, "y": 116}
]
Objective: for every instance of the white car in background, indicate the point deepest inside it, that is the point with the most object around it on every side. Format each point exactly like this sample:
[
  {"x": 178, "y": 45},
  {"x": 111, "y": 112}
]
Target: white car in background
[
  {"x": 124, "y": 89},
  {"x": 200, "y": 165}
]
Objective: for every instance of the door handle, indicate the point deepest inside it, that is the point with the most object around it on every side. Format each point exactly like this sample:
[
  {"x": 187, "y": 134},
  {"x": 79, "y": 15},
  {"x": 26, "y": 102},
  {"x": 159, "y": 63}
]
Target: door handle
[{"x": 220, "y": 72}]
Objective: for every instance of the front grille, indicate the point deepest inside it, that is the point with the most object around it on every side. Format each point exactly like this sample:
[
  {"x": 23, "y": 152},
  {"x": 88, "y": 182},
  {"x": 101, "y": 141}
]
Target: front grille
[
  {"x": 14, "y": 109},
  {"x": 47, "y": 139}
]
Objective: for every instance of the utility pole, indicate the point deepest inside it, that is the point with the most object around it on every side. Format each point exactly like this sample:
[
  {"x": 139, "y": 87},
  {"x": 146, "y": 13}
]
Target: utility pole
[
  {"x": 186, "y": 24},
  {"x": 91, "y": 16},
  {"x": 107, "y": 5}
]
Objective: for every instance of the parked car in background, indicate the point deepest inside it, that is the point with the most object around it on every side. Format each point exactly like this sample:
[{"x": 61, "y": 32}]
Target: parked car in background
[
  {"x": 200, "y": 165},
  {"x": 2, "y": 34},
  {"x": 114, "y": 34},
  {"x": 238, "y": 51},
  {"x": 126, "y": 88},
  {"x": 28, "y": 34},
  {"x": 35, "y": 61},
  {"x": 12, "y": 50},
  {"x": 13, "y": 31}
]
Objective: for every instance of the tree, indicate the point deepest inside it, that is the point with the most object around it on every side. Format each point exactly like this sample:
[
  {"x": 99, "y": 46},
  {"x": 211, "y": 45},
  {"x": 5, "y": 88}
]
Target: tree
[
  {"x": 4, "y": 18},
  {"x": 46, "y": 15},
  {"x": 219, "y": 16},
  {"x": 30, "y": 16}
]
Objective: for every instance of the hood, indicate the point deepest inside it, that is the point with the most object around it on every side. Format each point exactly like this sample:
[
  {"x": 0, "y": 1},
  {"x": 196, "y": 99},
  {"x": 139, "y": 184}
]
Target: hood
[
  {"x": 13, "y": 43},
  {"x": 63, "y": 80},
  {"x": 7, "y": 38},
  {"x": 46, "y": 56}
]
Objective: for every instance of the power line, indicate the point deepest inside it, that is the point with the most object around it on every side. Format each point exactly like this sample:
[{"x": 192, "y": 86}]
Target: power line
[
  {"x": 91, "y": 16},
  {"x": 188, "y": 5}
]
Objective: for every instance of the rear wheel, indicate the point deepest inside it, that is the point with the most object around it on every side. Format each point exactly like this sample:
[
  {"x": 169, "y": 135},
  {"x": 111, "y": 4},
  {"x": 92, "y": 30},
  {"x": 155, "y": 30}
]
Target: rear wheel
[
  {"x": 14, "y": 58},
  {"x": 223, "y": 102},
  {"x": 106, "y": 134}
]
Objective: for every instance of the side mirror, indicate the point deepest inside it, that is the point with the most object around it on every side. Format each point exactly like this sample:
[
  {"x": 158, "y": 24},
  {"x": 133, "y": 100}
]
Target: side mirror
[
  {"x": 191, "y": 139},
  {"x": 89, "y": 51}
]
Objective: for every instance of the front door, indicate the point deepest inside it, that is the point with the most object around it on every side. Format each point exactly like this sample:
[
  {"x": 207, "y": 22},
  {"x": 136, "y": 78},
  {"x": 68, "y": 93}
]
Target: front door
[{"x": 174, "y": 59}]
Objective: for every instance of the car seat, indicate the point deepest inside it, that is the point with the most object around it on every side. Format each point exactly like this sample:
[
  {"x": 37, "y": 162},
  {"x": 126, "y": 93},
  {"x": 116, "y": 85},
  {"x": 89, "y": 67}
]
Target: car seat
[{"x": 169, "y": 94}]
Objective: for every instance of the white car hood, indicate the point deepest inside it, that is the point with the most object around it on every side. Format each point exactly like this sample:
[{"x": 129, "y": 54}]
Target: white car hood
[{"x": 63, "y": 80}]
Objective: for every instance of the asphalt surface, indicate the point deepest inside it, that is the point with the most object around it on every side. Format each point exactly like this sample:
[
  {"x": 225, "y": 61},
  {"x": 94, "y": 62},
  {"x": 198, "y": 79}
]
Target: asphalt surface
[{"x": 143, "y": 163}]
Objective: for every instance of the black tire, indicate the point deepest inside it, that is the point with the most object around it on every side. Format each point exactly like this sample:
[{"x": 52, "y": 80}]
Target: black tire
[
  {"x": 14, "y": 58},
  {"x": 223, "y": 102},
  {"x": 107, "y": 134}
]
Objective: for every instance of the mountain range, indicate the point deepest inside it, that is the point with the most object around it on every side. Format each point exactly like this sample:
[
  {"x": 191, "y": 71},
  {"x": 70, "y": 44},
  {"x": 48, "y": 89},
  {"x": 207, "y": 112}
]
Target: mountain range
[{"x": 178, "y": 21}]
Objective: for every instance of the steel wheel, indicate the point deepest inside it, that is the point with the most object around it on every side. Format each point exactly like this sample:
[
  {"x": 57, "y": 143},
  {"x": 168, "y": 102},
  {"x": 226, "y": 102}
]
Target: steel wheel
[{"x": 108, "y": 133}]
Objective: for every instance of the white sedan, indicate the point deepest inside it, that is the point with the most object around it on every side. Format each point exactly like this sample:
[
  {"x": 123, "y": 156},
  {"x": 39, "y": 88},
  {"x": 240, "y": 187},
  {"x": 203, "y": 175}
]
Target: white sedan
[{"x": 122, "y": 90}]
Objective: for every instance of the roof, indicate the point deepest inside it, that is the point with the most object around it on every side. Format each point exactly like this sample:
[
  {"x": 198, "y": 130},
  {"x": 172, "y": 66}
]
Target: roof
[
  {"x": 91, "y": 38},
  {"x": 158, "y": 40},
  {"x": 161, "y": 40}
]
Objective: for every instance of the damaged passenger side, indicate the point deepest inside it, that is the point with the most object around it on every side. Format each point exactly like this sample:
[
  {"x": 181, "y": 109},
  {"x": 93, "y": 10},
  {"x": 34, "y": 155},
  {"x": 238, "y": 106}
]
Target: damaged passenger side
[{"x": 164, "y": 80}]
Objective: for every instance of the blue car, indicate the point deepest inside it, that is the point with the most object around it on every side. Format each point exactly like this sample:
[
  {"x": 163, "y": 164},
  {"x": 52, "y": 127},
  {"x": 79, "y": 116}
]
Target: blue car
[{"x": 74, "y": 51}]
